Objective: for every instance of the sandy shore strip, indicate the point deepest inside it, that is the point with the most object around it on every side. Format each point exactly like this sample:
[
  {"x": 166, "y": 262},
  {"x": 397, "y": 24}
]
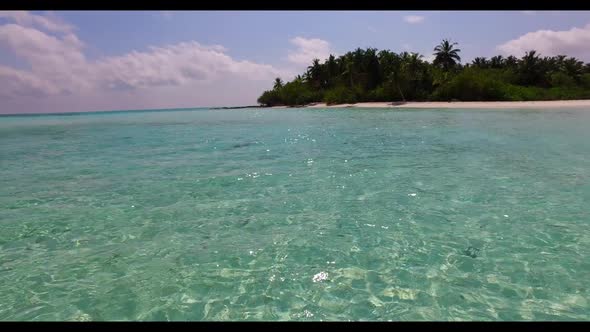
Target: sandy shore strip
[{"x": 464, "y": 104}]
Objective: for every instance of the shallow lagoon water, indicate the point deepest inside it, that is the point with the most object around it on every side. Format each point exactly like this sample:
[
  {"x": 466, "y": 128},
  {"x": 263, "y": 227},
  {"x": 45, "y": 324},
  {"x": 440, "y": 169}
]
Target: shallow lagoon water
[{"x": 296, "y": 214}]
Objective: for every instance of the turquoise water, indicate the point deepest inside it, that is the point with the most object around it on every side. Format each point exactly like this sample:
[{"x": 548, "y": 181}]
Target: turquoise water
[{"x": 296, "y": 214}]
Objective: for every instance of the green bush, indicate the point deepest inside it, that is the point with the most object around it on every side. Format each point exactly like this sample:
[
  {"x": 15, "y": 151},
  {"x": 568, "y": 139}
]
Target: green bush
[
  {"x": 525, "y": 93},
  {"x": 568, "y": 93},
  {"x": 531, "y": 93},
  {"x": 560, "y": 79},
  {"x": 470, "y": 85},
  {"x": 340, "y": 95},
  {"x": 270, "y": 98},
  {"x": 378, "y": 94},
  {"x": 298, "y": 93}
]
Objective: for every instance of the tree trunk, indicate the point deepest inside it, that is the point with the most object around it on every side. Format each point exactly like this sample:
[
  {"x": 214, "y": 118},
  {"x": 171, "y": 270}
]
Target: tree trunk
[{"x": 400, "y": 91}]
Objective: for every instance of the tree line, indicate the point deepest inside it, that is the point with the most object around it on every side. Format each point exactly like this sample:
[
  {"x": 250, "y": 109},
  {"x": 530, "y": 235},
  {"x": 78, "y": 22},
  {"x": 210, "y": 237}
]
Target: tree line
[{"x": 370, "y": 75}]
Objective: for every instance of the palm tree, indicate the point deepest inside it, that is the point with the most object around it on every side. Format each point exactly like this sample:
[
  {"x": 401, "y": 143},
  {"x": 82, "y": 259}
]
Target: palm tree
[
  {"x": 480, "y": 62},
  {"x": 412, "y": 63},
  {"x": 530, "y": 69},
  {"x": 278, "y": 83},
  {"x": 332, "y": 68},
  {"x": 497, "y": 62},
  {"x": 574, "y": 68},
  {"x": 372, "y": 68},
  {"x": 446, "y": 55},
  {"x": 390, "y": 65},
  {"x": 511, "y": 62},
  {"x": 348, "y": 64},
  {"x": 315, "y": 72},
  {"x": 413, "y": 71},
  {"x": 306, "y": 77}
]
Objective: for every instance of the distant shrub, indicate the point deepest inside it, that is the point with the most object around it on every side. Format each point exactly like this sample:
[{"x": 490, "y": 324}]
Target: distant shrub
[
  {"x": 378, "y": 94},
  {"x": 560, "y": 79},
  {"x": 298, "y": 93},
  {"x": 270, "y": 98},
  {"x": 531, "y": 93},
  {"x": 340, "y": 95},
  {"x": 470, "y": 85}
]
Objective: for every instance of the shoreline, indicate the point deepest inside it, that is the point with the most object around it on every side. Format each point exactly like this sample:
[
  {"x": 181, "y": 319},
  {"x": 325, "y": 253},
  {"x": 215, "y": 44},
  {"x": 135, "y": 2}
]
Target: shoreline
[{"x": 458, "y": 104}]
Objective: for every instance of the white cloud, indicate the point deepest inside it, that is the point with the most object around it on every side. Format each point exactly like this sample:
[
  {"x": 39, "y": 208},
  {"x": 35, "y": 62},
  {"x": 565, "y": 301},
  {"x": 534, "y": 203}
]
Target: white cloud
[
  {"x": 49, "y": 22},
  {"x": 56, "y": 60},
  {"x": 17, "y": 83},
  {"x": 59, "y": 68},
  {"x": 309, "y": 49},
  {"x": 372, "y": 29},
  {"x": 573, "y": 42},
  {"x": 177, "y": 65},
  {"x": 414, "y": 19},
  {"x": 529, "y": 12},
  {"x": 429, "y": 58}
]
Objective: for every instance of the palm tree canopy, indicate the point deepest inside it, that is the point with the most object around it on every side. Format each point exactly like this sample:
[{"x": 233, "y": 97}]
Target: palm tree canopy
[
  {"x": 373, "y": 75},
  {"x": 278, "y": 83},
  {"x": 446, "y": 55}
]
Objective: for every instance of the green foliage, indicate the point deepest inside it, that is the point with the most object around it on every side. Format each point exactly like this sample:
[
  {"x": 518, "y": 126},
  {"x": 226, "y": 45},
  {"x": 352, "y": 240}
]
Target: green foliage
[
  {"x": 340, "y": 95},
  {"x": 471, "y": 84},
  {"x": 531, "y": 93},
  {"x": 379, "y": 94},
  {"x": 270, "y": 98},
  {"x": 299, "y": 93},
  {"x": 372, "y": 75},
  {"x": 446, "y": 55},
  {"x": 561, "y": 79},
  {"x": 524, "y": 93}
]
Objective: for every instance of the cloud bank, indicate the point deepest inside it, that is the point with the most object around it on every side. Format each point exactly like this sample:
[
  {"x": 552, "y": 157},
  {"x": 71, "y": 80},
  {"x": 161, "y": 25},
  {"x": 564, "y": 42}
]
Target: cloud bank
[
  {"x": 572, "y": 42},
  {"x": 58, "y": 68},
  {"x": 309, "y": 49}
]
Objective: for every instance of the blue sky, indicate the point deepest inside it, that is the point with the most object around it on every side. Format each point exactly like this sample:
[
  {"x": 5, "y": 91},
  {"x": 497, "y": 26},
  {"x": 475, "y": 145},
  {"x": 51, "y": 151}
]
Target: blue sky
[{"x": 87, "y": 61}]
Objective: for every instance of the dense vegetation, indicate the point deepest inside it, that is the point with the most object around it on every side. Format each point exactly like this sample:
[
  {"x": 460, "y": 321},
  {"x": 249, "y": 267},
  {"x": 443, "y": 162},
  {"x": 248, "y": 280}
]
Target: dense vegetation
[{"x": 372, "y": 75}]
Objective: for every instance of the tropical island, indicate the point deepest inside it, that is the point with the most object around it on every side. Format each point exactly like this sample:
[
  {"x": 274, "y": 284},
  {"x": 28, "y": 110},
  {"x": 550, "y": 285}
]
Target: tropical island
[{"x": 370, "y": 75}]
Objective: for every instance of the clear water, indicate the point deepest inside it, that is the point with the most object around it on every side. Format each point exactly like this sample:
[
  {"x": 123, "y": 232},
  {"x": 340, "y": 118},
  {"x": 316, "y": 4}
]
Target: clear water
[{"x": 296, "y": 214}]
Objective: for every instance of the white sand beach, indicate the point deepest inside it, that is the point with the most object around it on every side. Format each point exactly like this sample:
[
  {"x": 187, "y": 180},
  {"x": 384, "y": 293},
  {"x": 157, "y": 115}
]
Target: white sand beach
[{"x": 465, "y": 104}]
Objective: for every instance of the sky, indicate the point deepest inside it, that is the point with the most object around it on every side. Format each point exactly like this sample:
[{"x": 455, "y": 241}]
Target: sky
[{"x": 77, "y": 61}]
